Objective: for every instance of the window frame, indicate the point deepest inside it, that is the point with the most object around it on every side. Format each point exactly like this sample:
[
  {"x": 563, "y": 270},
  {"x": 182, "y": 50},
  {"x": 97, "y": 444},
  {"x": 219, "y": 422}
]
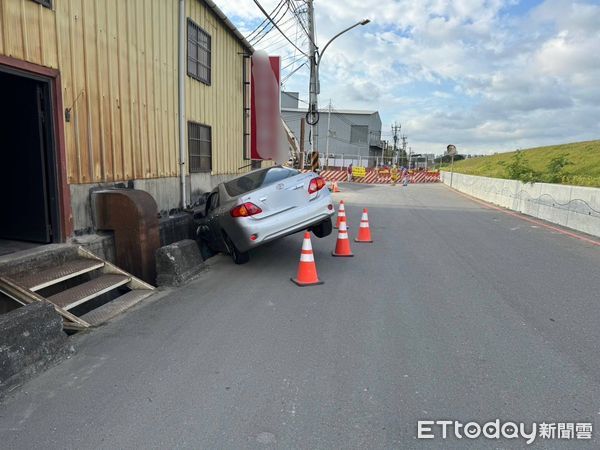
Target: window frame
[
  {"x": 199, "y": 47},
  {"x": 199, "y": 168}
]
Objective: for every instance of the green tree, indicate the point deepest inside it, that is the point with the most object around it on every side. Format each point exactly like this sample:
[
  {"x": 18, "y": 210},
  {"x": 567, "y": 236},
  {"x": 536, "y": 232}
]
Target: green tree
[
  {"x": 519, "y": 169},
  {"x": 556, "y": 169}
]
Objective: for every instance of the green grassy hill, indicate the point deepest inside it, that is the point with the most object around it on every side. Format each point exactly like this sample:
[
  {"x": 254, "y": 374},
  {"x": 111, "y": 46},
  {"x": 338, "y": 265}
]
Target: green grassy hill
[{"x": 582, "y": 168}]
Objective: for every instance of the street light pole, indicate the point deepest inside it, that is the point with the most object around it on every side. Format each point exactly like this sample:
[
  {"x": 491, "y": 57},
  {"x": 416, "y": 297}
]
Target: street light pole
[{"x": 312, "y": 115}]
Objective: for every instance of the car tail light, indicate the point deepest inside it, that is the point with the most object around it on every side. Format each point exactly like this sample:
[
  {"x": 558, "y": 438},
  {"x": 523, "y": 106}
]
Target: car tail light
[
  {"x": 246, "y": 210},
  {"x": 316, "y": 184}
]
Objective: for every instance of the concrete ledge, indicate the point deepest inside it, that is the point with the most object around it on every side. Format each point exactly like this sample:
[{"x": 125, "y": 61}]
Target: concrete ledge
[
  {"x": 575, "y": 207},
  {"x": 174, "y": 228},
  {"x": 36, "y": 258},
  {"x": 31, "y": 340},
  {"x": 178, "y": 263}
]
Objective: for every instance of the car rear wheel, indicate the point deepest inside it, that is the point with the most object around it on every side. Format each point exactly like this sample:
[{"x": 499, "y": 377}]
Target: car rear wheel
[
  {"x": 237, "y": 256},
  {"x": 323, "y": 229}
]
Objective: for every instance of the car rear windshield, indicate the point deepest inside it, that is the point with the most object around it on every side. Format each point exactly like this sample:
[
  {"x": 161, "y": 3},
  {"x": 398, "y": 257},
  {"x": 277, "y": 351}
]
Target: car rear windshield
[{"x": 258, "y": 179}]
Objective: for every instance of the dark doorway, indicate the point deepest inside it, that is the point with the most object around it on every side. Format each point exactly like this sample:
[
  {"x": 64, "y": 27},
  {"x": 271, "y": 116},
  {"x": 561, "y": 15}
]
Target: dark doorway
[{"x": 28, "y": 192}]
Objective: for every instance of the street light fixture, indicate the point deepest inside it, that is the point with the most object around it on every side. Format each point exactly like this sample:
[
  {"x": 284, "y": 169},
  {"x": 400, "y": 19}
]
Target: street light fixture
[{"x": 362, "y": 22}]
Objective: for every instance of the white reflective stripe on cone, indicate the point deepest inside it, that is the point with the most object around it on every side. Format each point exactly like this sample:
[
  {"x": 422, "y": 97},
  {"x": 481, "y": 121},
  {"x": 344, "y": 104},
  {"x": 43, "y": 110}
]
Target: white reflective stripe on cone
[
  {"x": 364, "y": 217},
  {"x": 306, "y": 245},
  {"x": 364, "y": 224},
  {"x": 307, "y": 257},
  {"x": 343, "y": 236}
]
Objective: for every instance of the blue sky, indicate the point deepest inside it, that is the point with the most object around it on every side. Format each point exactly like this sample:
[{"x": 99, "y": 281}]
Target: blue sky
[{"x": 485, "y": 75}]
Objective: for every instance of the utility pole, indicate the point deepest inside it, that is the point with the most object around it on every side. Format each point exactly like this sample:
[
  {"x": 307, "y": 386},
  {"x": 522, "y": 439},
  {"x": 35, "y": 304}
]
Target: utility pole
[
  {"x": 404, "y": 149},
  {"x": 312, "y": 116},
  {"x": 313, "y": 107},
  {"x": 396, "y": 127},
  {"x": 328, "y": 133}
]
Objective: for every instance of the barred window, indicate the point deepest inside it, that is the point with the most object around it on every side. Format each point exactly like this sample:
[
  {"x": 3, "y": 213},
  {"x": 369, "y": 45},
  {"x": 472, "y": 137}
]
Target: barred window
[
  {"x": 199, "y": 53},
  {"x": 46, "y": 3},
  {"x": 199, "y": 147}
]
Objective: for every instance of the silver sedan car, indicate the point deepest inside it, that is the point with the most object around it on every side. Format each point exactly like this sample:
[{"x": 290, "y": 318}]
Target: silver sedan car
[{"x": 262, "y": 206}]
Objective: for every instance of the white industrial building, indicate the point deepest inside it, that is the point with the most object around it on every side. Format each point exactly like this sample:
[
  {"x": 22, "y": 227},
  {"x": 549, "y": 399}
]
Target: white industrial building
[{"x": 354, "y": 135}]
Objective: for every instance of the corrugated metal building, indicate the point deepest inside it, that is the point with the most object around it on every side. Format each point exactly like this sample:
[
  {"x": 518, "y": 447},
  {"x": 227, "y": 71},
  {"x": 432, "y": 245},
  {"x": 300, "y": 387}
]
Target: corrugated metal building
[
  {"x": 90, "y": 97},
  {"x": 352, "y": 133}
]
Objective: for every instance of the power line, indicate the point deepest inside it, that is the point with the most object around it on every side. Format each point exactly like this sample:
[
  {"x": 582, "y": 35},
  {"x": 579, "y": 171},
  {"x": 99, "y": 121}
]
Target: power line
[
  {"x": 295, "y": 54},
  {"x": 267, "y": 36},
  {"x": 296, "y": 60},
  {"x": 291, "y": 56},
  {"x": 277, "y": 41},
  {"x": 292, "y": 63},
  {"x": 296, "y": 13},
  {"x": 249, "y": 36},
  {"x": 292, "y": 73},
  {"x": 266, "y": 23},
  {"x": 276, "y": 20},
  {"x": 276, "y": 26}
]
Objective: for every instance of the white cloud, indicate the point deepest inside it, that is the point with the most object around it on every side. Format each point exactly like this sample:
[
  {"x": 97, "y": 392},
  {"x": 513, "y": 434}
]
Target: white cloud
[{"x": 482, "y": 74}]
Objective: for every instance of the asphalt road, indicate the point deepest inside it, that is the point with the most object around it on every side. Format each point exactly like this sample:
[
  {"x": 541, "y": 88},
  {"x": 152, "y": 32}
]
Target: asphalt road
[{"x": 456, "y": 312}]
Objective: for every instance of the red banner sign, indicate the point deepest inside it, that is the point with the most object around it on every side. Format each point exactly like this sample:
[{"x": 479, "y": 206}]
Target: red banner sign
[{"x": 266, "y": 130}]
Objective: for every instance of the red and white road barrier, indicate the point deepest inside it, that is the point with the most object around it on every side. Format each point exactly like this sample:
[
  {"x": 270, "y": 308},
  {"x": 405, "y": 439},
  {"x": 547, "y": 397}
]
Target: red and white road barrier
[
  {"x": 425, "y": 177},
  {"x": 334, "y": 175},
  {"x": 374, "y": 177}
]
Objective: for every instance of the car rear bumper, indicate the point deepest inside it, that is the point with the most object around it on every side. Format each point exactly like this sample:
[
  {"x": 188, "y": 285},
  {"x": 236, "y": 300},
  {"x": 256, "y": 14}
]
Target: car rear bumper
[{"x": 274, "y": 227}]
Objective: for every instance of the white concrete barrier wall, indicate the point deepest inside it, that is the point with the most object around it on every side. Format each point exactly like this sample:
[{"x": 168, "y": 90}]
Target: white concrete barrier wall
[{"x": 575, "y": 207}]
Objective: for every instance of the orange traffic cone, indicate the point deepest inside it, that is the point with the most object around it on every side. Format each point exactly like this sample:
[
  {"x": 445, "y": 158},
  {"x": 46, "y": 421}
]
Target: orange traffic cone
[
  {"x": 335, "y": 187},
  {"x": 364, "y": 232},
  {"x": 341, "y": 215},
  {"x": 307, "y": 269},
  {"x": 342, "y": 246}
]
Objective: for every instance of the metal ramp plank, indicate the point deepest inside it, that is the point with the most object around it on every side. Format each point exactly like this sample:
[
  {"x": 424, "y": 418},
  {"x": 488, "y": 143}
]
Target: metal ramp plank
[
  {"x": 70, "y": 269},
  {"x": 135, "y": 283},
  {"x": 115, "y": 307},
  {"x": 25, "y": 297},
  {"x": 22, "y": 288},
  {"x": 91, "y": 289}
]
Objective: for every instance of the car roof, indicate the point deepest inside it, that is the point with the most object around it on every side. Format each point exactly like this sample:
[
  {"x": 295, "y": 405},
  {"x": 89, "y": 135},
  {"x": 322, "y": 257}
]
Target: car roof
[{"x": 223, "y": 190}]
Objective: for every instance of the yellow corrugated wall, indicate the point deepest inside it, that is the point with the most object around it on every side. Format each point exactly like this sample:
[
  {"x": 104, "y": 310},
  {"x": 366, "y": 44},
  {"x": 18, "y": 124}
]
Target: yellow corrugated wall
[
  {"x": 118, "y": 65},
  {"x": 220, "y": 104}
]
